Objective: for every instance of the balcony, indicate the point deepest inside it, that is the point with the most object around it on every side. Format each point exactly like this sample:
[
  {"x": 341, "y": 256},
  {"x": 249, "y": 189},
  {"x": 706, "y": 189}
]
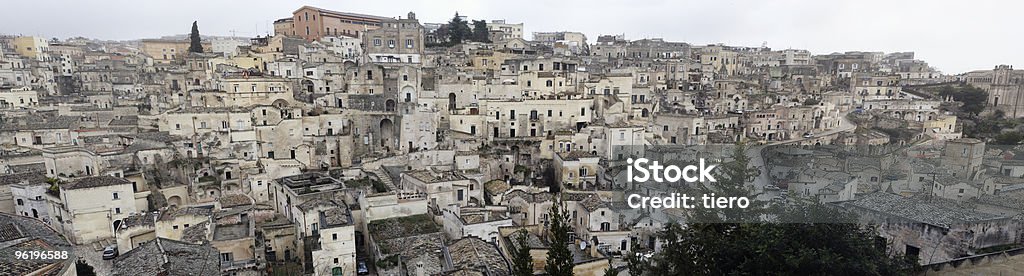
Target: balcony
[{"x": 226, "y": 266}]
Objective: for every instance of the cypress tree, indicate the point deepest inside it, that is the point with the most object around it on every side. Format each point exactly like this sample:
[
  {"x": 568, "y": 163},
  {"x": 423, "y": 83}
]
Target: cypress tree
[
  {"x": 196, "y": 44},
  {"x": 559, "y": 261}
]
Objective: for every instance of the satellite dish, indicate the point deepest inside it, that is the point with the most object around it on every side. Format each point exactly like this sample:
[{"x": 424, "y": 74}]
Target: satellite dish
[{"x": 583, "y": 245}]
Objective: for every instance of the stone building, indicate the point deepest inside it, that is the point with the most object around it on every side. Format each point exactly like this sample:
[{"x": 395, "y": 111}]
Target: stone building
[{"x": 1005, "y": 87}]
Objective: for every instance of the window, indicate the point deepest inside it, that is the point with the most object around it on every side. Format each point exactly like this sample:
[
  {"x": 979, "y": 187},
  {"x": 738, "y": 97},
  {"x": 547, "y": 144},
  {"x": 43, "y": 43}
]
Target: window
[
  {"x": 117, "y": 210},
  {"x": 376, "y": 42},
  {"x": 115, "y": 196},
  {"x": 408, "y": 43},
  {"x": 21, "y": 202},
  {"x": 391, "y": 43},
  {"x": 334, "y": 236}
]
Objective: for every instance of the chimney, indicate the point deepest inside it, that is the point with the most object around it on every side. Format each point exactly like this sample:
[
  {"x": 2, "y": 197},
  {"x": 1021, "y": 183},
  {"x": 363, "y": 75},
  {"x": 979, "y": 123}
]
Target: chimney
[{"x": 419, "y": 269}]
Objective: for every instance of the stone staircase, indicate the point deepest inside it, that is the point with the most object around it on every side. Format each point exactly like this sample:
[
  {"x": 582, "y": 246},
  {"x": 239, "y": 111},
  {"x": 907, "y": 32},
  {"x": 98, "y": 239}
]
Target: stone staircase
[{"x": 385, "y": 178}]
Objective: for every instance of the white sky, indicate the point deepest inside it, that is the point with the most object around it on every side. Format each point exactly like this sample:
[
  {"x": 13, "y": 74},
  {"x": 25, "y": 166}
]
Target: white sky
[{"x": 953, "y": 36}]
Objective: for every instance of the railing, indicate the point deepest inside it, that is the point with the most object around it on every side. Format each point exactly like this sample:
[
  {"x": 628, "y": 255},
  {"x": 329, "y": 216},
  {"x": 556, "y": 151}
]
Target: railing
[{"x": 235, "y": 265}]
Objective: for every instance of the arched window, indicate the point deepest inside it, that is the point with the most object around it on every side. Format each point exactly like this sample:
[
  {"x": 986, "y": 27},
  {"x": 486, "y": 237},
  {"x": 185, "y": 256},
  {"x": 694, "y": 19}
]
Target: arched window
[{"x": 337, "y": 271}]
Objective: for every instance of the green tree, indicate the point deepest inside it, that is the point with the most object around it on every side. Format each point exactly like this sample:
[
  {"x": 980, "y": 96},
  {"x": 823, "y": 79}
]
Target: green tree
[
  {"x": 801, "y": 240},
  {"x": 480, "y": 31},
  {"x": 793, "y": 247},
  {"x": 1009, "y": 138},
  {"x": 635, "y": 262},
  {"x": 559, "y": 262},
  {"x": 522, "y": 262},
  {"x": 611, "y": 272},
  {"x": 458, "y": 30},
  {"x": 734, "y": 180},
  {"x": 974, "y": 99},
  {"x": 196, "y": 44}
]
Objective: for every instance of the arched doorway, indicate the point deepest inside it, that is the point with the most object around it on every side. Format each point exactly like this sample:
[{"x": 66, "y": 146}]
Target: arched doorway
[
  {"x": 389, "y": 106},
  {"x": 280, "y": 103},
  {"x": 308, "y": 84},
  {"x": 387, "y": 132},
  {"x": 451, "y": 101},
  {"x": 408, "y": 91}
]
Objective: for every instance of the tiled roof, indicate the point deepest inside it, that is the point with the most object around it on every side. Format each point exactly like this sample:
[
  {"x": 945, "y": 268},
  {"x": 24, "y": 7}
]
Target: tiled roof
[
  {"x": 919, "y": 210},
  {"x": 142, "y": 219},
  {"x": 402, "y": 227},
  {"x": 529, "y": 197},
  {"x": 39, "y": 122},
  {"x": 593, "y": 203},
  {"x": 335, "y": 216},
  {"x": 8, "y": 231},
  {"x": 29, "y": 178},
  {"x": 168, "y": 257},
  {"x": 94, "y": 181},
  {"x": 234, "y": 200},
  {"x": 476, "y": 254},
  {"x": 196, "y": 233},
  {"x": 172, "y": 212},
  {"x": 19, "y": 233},
  {"x": 37, "y": 168}
]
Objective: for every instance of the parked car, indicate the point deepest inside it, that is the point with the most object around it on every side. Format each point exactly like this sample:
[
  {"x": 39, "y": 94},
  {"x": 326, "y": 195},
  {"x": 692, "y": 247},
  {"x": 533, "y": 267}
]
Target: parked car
[
  {"x": 110, "y": 252},
  {"x": 361, "y": 268},
  {"x": 808, "y": 135}
]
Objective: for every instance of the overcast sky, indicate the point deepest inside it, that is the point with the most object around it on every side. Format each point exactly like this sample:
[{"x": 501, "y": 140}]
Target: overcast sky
[{"x": 953, "y": 36}]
